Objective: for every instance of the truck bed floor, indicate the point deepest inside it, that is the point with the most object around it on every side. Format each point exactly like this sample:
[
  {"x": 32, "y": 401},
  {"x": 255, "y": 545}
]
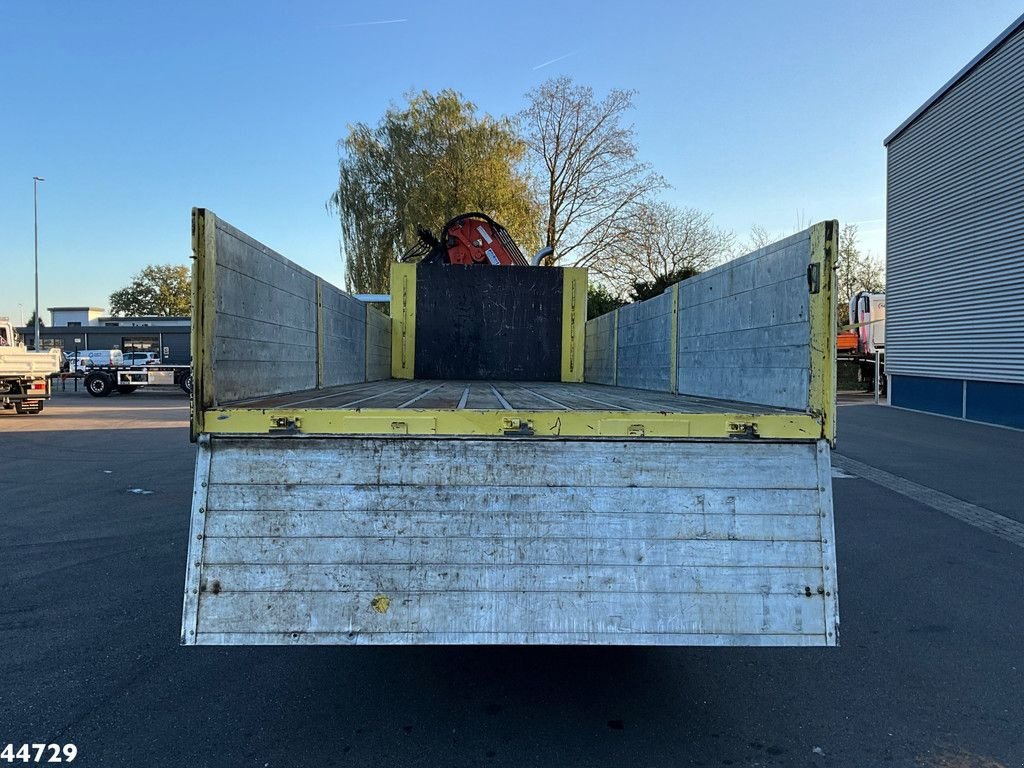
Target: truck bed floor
[{"x": 501, "y": 395}]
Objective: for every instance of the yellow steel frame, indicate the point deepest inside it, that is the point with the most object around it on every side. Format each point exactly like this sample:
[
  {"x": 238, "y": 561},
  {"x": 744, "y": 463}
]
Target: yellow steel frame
[
  {"x": 403, "y": 321},
  {"x": 574, "y": 321},
  {"x": 204, "y": 315},
  {"x": 491, "y": 423},
  {"x": 822, "y": 405}
]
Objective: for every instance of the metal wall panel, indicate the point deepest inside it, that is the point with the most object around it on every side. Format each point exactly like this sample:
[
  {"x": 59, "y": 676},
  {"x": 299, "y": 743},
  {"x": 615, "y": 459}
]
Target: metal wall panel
[
  {"x": 745, "y": 330},
  {"x": 599, "y": 354},
  {"x": 955, "y": 242},
  {"x": 342, "y": 337},
  {"x": 644, "y": 355}
]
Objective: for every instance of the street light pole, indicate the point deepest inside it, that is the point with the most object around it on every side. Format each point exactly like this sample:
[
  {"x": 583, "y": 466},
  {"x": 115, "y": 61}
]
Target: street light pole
[{"x": 37, "y": 341}]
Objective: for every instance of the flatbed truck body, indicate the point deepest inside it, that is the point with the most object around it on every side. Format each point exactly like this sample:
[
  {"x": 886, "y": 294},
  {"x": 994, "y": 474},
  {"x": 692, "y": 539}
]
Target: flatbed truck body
[
  {"x": 656, "y": 476},
  {"x": 101, "y": 380}
]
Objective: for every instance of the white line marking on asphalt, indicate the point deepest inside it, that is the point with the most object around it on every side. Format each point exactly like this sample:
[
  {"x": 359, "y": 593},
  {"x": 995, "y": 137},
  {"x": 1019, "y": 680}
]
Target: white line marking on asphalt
[
  {"x": 986, "y": 520},
  {"x": 838, "y": 473}
]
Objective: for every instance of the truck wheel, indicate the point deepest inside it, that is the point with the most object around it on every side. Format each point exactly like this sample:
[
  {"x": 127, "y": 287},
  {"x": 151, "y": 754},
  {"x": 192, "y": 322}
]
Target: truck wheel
[
  {"x": 98, "y": 384},
  {"x": 126, "y": 389},
  {"x": 186, "y": 383},
  {"x": 29, "y": 408}
]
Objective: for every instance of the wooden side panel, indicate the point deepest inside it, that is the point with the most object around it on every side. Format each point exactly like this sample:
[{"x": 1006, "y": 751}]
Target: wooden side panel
[
  {"x": 645, "y": 344},
  {"x": 376, "y": 540},
  {"x": 343, "y": 337},
  {"x": 599, "y": 349},
  {"x": 744, "y": 328}
]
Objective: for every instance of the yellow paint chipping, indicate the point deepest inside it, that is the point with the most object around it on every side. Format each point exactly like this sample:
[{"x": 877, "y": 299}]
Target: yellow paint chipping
[{"x": 381, "y": 603}]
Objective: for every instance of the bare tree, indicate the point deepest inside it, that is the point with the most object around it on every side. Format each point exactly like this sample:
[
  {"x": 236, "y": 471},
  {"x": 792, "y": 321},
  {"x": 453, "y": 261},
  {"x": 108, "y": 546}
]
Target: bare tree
[
  {"x": 585, "y": 159},
  {"x": 660, "y": 244},
  {"x": 855, "y": 271},
  {"x": 759, "y": 238}
]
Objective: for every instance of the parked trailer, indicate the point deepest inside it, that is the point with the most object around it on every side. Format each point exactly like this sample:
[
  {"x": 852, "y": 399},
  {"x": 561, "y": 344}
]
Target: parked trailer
[
  {"x": 100, "y": 381},
  {"x": 484, "y": 466}
]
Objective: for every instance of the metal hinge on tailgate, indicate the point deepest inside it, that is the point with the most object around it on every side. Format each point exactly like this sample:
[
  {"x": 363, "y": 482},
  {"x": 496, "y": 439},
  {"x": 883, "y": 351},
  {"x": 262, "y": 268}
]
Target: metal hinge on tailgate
[
  {"x": 285, "y": 424},
  {"x": 513, "y": 427},
  {"x": 743, "y": 429}
]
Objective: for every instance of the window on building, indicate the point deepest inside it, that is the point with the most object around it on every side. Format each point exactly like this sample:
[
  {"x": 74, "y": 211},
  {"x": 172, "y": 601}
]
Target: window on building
[
  {"x": 140, "y": 344},
  {"x": 74, "y": 324}
]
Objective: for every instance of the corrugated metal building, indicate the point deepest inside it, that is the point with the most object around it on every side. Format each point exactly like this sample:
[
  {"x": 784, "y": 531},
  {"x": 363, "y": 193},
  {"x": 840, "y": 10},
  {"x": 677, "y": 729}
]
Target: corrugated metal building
[{"x": 955, "y": 244}]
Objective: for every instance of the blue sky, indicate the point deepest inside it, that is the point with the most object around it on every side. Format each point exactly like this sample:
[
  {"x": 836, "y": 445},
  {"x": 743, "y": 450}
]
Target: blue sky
[{"x": 760, "y": 113}]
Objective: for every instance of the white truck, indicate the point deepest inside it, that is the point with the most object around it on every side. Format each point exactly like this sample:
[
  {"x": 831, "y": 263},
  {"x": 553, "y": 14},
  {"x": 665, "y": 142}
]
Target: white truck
[
  {"x": 24, "y": 374},
  {"x": 864, "y": 342},
  {"x": 867, "y": 317},
  {"x": 484, "y": 466}
]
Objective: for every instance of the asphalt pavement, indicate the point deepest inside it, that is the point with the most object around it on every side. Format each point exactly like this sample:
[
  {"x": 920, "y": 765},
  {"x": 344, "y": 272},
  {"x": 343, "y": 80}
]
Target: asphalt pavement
[
  {"x": 94, "y": 499},
  {"x": 978, "y": 463}
]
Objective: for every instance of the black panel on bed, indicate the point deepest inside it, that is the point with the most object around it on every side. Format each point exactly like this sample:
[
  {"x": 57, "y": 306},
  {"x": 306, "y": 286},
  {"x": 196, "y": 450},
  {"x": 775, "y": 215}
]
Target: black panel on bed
[{"x": 482, "y": 322}]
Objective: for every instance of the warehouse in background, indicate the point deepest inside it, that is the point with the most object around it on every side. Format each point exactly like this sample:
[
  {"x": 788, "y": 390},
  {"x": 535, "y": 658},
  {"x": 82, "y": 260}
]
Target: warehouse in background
[
  {"x": 80, "y": 328},
  {"x": 955, "y": 244}
]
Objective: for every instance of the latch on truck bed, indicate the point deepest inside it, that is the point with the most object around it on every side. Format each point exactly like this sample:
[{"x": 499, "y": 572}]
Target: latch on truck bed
[{"x": 813, "y": 277}]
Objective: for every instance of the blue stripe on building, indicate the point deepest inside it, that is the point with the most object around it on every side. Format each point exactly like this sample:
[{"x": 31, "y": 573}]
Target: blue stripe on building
[
  {"x": 944, "y": 396},
  {"x": 986, "y": 401},
  {"x": 996, "y": 403}
]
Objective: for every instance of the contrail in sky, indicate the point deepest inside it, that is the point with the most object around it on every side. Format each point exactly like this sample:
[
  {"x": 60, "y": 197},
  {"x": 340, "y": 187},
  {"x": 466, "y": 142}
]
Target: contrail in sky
[
  {"x": 373, "y": 23},
  {"x": 552, "y": 61}
]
